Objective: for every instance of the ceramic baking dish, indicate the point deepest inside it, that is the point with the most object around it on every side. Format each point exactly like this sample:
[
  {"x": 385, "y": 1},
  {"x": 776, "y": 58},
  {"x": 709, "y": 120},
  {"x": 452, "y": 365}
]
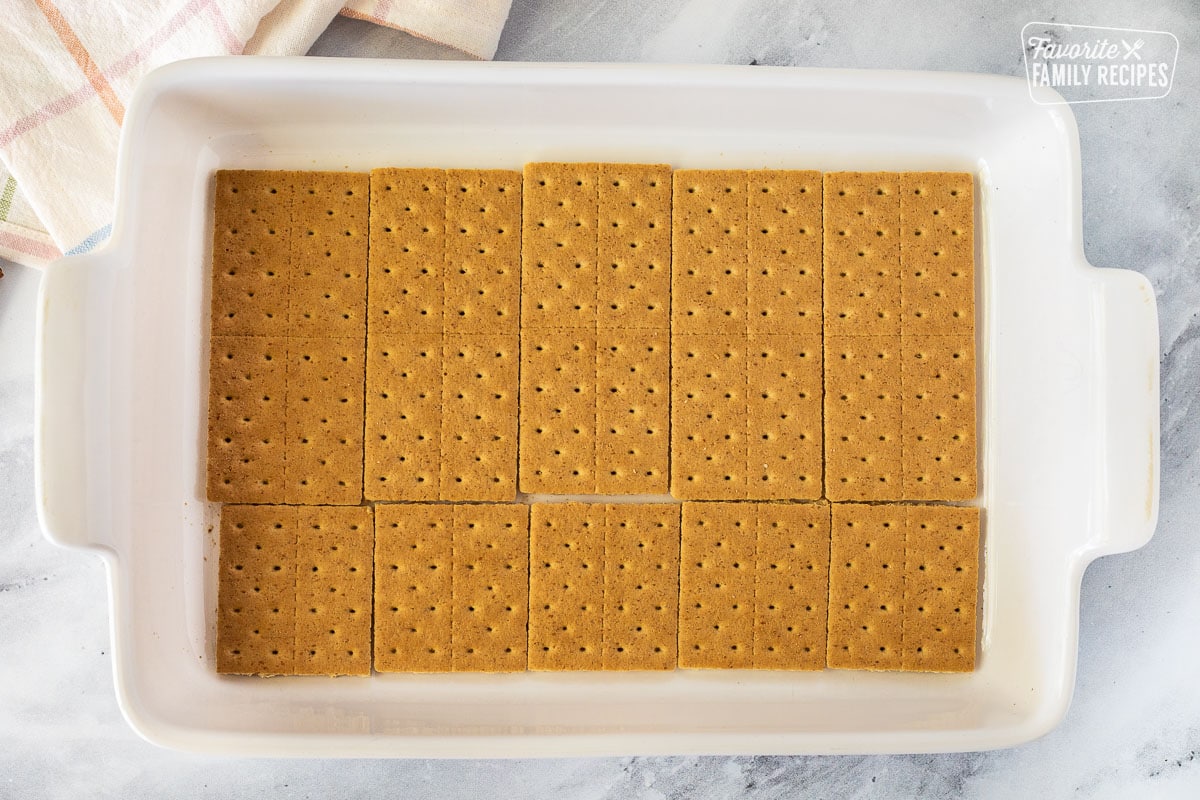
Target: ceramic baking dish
[{"x": 1068, "y": 373}]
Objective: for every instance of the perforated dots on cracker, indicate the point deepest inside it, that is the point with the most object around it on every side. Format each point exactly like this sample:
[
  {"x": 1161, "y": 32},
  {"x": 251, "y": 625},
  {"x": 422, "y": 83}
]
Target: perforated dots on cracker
[
  {"x": 747, "y": 265},
  {"x": 327, "y": 278},
  {"x": 247, "y": 436},
  {"x": 866, "y": 587},
  {"x": 482, "y": 251},
  {"x": 441, "y": 411},
  {"x": 490, "y": 587},
  {"x": 334, "y": 568},
  {"x": 862, "y": 253},
  {"x": 941, "y": 577},
  {"x": 558, "y": 411},
  {"x": 784, "y": 417},
  {"x": 708, "y": 283},
  {"x": 632, "y": 412},
  {"x": 596, "y": 267},
  {"x": 604, "y": 583},
  {"x": 478, "y": 459},
  {"x": 256, "y": 595},
  {"x": 937, "y": 252},
  {"x": 716, "y": 586},
  {"x": 403, "y": 417},
  {"x": 252, "y": 228},
  {"x": 633, "y": 261},
  {"x": 324, "y": 454},
  {"x": 408, "y": 234},
  {"x": 784, "y": 251},
  {"x": 413, "y": 587},
  {"x": 939, "y": 437},
  {"x": 791, "y": 585},
  {"x": 753, "y": 585},
  {"x": 708, "y": 417},
  {"x": 558, "y": 263},
  {"x": 641, "y": 586},
  {"x": 566, "y": 586},
  {"x": 863, "y": 457}
]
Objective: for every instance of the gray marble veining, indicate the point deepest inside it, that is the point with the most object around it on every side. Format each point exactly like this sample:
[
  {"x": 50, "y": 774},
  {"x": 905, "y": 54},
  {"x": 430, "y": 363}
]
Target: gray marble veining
[{"x": 1134, "y": 727}]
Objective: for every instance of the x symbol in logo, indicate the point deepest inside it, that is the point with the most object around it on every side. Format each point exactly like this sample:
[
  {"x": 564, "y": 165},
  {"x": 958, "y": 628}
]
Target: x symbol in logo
[{"x": 1132, "y": 49}]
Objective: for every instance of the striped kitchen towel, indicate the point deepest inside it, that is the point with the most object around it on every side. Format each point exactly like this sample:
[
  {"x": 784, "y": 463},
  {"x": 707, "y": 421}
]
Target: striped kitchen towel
[{"x": 70, "y": 67}]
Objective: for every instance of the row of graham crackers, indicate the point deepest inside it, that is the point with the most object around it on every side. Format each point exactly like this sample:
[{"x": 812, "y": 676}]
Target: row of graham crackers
[
  {"x": 823, "y": 336},
  {"x": 509, "y": 587},
  {"x": 843, "y": 585},
  {"x": 821, "y": 342}
]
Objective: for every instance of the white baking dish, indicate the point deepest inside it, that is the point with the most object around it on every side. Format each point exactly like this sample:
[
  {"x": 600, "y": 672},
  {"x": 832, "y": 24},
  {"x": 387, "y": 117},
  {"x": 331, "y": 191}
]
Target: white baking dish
[{"x": 1068, "y": 388}]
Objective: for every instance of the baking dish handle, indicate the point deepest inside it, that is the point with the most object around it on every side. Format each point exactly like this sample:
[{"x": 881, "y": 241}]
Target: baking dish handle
[
  {"x": 60, "y": 401},
  {"x": 1126, "y": 318}
]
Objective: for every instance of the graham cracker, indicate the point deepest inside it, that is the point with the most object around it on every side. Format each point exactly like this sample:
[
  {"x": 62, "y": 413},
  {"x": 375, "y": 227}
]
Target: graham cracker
[
  {"x": 937, "y": 253},
  {"x": 632, "y": 387},
  {"x": 334, "y": 571},
  {"x": 478, "y": 459},
  {"x": 866, "y": 587},
  {"x": 941, "y": 579},
  {"x": 708, "y": 417},
  {"x": 784, "y": 245},
  {"x": 558, "y": 411},
  {"x": 246, "y": 412},
  {"x": 558, "y": 246},
  {"x": 791, "y": 588},
  {"x": 403, "y": 416},
  {"x": 716, "y": 586},
  {"x": 709, "y": 252},
  {"x": 939, "y": 418},
  {"x": 862, "y": 253},
  {"x": 327, "y": 277},
  {"x": 747, "y": 254},
  {"x": 405, "y": 291},
  {"x": 482, "y": 274},
  {"x": 566, "y": 586},
  {"x": 641, "y": 586},
  {"x": 413, "y": 629},
  {"x": 324, "y": 453},
  {"x": 256, "y": 595},
  {"x": 633, "y": 255},
  {"x": 863, "y": 456},
  {"x": 783, "y": 417},
  {"x": 252, "y": 226},
  {"x": 491, "y": 587}
]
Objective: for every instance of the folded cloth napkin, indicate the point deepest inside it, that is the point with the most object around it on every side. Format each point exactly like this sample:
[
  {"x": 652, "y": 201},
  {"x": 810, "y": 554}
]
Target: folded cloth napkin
[{"x": 71, "y": 66}]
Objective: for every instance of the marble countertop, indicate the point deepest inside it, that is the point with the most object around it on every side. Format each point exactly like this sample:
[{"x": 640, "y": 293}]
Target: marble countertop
[{"x": 1134, "y": 726}]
